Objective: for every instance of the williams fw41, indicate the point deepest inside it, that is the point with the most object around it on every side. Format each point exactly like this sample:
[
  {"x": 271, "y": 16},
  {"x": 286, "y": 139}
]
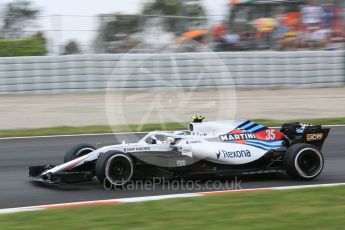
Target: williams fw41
[{"x": 207, "y": 148}]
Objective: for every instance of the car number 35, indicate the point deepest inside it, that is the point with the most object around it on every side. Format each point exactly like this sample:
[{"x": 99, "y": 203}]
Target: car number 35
[{"x": 270, "y": 134}]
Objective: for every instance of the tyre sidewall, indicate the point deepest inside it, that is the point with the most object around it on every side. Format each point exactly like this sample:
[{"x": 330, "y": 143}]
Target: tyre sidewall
[
  {"x": 72, "y": 153},
  {"x": 102, "y": 161},
  {"x": 291, "y": 157}
]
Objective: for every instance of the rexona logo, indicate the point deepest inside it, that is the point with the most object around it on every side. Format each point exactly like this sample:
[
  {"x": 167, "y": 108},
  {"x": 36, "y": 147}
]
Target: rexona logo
[
  {"x": 237, "y": 137},
  {"x": 233, "y": 154}
]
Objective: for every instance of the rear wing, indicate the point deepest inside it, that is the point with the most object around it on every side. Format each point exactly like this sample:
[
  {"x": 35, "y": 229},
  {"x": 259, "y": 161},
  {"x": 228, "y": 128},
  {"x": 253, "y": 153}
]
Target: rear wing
[{"x": 305, "y": 133}]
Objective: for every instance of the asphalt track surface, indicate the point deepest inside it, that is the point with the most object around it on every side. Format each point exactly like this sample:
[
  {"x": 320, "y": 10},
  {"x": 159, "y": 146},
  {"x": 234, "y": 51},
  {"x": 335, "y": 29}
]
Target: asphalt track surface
[{"x": 16, "y": 155}]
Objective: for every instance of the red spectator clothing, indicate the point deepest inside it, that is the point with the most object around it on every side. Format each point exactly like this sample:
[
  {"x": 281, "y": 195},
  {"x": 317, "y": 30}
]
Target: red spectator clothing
[
  {"x": 291, "y": 18},
  {"x": 338, "y": 24},
  {"x": 218, "y": 31}
]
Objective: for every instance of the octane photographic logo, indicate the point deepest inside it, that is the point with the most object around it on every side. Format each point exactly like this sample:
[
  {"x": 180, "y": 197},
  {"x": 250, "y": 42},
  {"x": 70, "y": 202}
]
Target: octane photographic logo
[
  {"x": 176, "y": 185},
  {"x": 165, "y": 87}
]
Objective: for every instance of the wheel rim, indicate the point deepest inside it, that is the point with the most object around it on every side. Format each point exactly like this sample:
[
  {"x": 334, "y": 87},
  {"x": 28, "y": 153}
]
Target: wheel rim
[
  {"x": 309, "y": 162},
  {"x": 119, "y": 169}
]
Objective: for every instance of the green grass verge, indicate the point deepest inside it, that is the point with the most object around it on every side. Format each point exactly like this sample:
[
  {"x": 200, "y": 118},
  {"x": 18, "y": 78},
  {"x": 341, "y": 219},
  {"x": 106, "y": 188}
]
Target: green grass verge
[
  {"x": 62, "y": 130},
  {"x": 94, "y": 129},
  {"x": 319, "y": 208}
]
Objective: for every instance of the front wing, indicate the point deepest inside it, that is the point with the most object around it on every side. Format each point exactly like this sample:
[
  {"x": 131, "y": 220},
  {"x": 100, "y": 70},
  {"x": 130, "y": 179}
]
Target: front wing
[{"x": 36, "y": 175}]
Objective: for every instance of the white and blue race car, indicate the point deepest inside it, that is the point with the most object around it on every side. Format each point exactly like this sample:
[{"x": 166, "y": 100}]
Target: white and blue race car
[{"x": 207, "y": 148}]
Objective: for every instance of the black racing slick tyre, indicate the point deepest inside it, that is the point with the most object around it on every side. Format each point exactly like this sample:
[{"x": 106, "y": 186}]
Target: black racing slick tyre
[
  {"x": 78, "y": 151},
  {"x": 115, "y": 167},
  {"x": 303, "y": 161}
]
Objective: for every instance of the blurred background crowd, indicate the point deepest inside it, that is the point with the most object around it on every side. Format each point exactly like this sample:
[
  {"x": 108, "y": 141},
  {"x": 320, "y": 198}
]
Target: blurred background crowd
[
  {"x": 282, "y": 25},
  {"x": 184, "y": 25}
]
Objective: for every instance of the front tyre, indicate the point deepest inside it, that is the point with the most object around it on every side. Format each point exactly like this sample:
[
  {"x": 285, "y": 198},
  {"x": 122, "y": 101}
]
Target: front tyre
[
  {"x": 115, "y": 167},
  {"x": 303, "y": 161},
  {"x": 78, "y": 151}
]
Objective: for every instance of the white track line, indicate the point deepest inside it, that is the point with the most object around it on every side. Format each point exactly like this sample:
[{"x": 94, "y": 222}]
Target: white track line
[
  {"x": 153, "y": 198},
  {"x": 104, "y": 134},
  {"x": 70, "y": 135}
]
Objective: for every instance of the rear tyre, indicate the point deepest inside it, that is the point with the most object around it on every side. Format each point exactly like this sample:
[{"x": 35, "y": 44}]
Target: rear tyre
[
  {"x": 114, "y": 167},
  {"x": 78, "y": 151},
  {"x": 303, "y": 161}
]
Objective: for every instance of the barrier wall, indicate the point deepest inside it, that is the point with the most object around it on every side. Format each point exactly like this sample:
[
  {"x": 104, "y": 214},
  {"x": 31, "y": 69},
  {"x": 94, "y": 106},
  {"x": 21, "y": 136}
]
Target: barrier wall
[{"x": 90, "y": 73}]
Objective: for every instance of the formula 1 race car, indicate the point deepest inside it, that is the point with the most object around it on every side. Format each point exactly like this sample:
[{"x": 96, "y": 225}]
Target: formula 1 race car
[{"x": 207, "y": 148}]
